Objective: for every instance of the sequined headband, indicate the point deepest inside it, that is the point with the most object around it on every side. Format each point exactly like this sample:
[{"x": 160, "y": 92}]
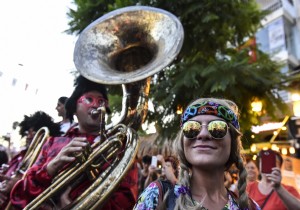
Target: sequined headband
[{"x": 210, "y": 108}]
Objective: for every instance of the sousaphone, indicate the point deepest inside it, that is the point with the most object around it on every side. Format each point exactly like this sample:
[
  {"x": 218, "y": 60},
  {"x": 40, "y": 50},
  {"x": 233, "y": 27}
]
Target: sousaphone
[{"x": 124, "y": 47}]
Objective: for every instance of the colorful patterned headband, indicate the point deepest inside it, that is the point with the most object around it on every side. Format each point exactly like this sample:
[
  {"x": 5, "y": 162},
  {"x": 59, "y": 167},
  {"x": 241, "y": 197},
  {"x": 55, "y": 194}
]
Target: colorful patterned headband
[{"x": 210, "y": 108}]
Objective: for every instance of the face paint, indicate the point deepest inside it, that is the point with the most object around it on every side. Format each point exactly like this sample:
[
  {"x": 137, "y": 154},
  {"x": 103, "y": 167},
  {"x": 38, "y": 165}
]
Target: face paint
[{"x": 92, "y": 101}]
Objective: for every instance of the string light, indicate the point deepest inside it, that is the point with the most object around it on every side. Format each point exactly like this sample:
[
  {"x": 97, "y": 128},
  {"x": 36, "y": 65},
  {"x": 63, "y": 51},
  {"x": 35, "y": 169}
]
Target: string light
[
  {"x": 253, "y": 148},
  {"x": 275, "y": 147},
  {"x": 256, "y": 106},
  {"x": 292, "y": 150},
  {"x": 284, "y": 151}
]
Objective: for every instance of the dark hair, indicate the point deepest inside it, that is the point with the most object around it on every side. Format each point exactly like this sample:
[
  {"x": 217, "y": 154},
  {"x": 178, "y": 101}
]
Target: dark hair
[
  {"x": 38, "y": 120},
  {"x": 63, "y": 99},
  {"x": 83, "y": 85},
  {"x": 249, "y": 159},
  {"x": 3, "y": 155},
  {"x": 146, "y": 159}
]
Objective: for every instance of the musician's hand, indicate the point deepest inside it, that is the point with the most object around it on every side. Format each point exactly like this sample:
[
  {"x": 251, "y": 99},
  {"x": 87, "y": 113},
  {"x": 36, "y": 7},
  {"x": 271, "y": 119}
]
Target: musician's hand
[
  {"x": 66, "y": 155},
  {"x": 3, "y": 188},
  {"x": 3, "y": 198},
  {"x": 4, "y": 177},
  {"x": 64, "y": 199},
  {"x": 7, "y": 185}
]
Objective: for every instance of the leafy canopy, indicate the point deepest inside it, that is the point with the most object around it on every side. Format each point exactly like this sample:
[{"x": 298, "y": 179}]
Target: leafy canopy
[{"x": 214, "y": 60}]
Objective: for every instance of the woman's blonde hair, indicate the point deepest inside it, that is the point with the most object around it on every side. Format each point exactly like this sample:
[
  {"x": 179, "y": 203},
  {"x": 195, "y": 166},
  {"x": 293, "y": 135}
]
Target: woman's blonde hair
[{"x": 184, "y": 201}]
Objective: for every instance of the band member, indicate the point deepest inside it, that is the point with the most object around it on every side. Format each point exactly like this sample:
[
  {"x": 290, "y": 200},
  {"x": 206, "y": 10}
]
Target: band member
[
  {"x": 58, "y": 152},
  {"x": 28, "y": 127}
]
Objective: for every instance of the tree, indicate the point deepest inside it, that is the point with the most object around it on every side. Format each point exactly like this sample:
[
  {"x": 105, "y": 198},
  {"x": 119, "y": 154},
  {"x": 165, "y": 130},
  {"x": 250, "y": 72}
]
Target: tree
[{"x": 214, "y": 60}]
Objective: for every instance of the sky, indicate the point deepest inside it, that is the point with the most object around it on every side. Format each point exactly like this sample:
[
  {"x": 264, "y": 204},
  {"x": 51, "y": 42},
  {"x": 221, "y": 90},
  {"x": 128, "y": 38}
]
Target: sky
[{"x": 36, "y": 58}]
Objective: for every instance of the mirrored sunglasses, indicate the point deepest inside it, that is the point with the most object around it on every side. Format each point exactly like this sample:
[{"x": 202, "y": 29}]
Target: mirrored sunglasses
[{"x": 216, "y": 128}]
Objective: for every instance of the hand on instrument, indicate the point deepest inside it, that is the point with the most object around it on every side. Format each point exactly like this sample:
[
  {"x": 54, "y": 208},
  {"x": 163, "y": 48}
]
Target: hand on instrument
[
  {"x": 4, "y": 177},
  {"x": 3, "y": 198},
  {"x": 64, "y": 199},
  {"x": 8, "y": 184},
  {"x": 66, "y": 155},
  {"x": 275, "y": 177}
]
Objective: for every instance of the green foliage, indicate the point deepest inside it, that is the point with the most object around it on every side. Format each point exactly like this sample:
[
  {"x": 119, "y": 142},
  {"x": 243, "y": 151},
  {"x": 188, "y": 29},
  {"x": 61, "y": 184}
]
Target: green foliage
[{"x": 211, "y": 62}]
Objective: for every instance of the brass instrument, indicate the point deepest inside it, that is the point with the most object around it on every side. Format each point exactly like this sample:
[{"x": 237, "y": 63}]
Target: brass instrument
[
  {"x": 34, "y": 149},
  {"x": 31, "y": 154},
  {"x": 126, "y": 46}
]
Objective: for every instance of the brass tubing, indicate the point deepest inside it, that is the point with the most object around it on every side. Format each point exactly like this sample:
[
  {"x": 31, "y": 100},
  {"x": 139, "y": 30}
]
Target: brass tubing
[
  {"x": 66, "y": 177},
  {"x": 99, "y": 195}
]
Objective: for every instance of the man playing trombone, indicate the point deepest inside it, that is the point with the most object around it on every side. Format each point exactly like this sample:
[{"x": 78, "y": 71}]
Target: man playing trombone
[{"x": 16, "y": 166}]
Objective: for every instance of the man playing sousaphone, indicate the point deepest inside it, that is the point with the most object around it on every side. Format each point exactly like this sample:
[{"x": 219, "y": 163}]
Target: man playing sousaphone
[
  {"x": 60, "y": 151},
  {"x": 124, "y": 47}
]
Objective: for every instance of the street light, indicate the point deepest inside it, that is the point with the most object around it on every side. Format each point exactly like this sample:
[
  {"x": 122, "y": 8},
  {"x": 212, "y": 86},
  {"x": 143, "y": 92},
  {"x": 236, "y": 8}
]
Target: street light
[{"x": 256, "y": 106}]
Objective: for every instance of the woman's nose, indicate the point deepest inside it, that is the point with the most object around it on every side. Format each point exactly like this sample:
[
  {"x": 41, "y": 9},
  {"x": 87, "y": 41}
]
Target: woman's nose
[{"x": 204, "y": 133}]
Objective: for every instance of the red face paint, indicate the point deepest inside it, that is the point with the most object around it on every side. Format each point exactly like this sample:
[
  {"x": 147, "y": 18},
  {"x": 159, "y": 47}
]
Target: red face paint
[{"x": 92, "y": 101}]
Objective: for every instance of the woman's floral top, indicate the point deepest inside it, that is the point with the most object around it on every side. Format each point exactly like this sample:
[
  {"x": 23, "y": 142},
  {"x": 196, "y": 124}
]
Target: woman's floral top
[{"x": 148, "y": 200}]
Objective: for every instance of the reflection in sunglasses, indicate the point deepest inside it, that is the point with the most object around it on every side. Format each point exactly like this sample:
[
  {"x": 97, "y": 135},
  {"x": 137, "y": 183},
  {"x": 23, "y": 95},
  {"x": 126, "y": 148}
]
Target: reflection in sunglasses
[{"x": 216, "y": 128}]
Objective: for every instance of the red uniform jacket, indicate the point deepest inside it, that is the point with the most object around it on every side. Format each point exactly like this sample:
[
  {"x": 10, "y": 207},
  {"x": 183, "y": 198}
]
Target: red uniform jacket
[
  {"x": 37, "y": 179},
  {"x": 13, "y": 166}
]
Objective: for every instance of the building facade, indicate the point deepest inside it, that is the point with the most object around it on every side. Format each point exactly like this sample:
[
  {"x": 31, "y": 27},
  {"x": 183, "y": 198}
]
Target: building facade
[{"x": 279, "y": 37}]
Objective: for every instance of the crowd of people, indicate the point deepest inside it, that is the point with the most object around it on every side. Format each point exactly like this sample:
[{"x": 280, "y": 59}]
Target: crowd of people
[{"x": 206, "y": 171}]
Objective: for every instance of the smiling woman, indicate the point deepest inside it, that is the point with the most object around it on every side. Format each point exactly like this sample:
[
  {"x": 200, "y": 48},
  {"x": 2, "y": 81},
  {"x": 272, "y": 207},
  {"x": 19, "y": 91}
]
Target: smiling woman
[{"x": 208, "y": 144}]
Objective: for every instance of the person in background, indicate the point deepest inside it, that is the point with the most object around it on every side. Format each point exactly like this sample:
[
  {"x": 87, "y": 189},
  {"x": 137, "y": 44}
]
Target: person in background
[
  {"x": 153, "y": 172},
  {"x": 146, "y": 161},
  {"x": 170, "y": 169},
  {"x": 65, "y": 123},
  {"x": 166, "y": 171},
  {"x": 252, "y": 171},
  {"x": 234, "y": 173},
  {"x": 209, "y": 142},
  {"x": 270, "y": 193},
  {"x": 288, "y": 164},
  {"x": 58, "y": 152},
  {"x": 28, "y": 127}
]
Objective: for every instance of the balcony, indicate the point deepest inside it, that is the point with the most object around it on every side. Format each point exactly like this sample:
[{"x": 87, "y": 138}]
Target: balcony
[{"x": 278, "y": 8}]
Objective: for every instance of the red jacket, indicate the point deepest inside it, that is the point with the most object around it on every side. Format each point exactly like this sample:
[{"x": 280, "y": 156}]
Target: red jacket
[
  {"x": 37, "y": 179},
  {"x": 13, "y": 166}
]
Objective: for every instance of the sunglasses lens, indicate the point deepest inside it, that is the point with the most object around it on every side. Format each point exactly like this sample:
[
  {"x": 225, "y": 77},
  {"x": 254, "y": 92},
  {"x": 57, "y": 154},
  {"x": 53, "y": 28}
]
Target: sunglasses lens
[
  {"x": 191, "y": 129},
  {"x": 217, "y": 129}
]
